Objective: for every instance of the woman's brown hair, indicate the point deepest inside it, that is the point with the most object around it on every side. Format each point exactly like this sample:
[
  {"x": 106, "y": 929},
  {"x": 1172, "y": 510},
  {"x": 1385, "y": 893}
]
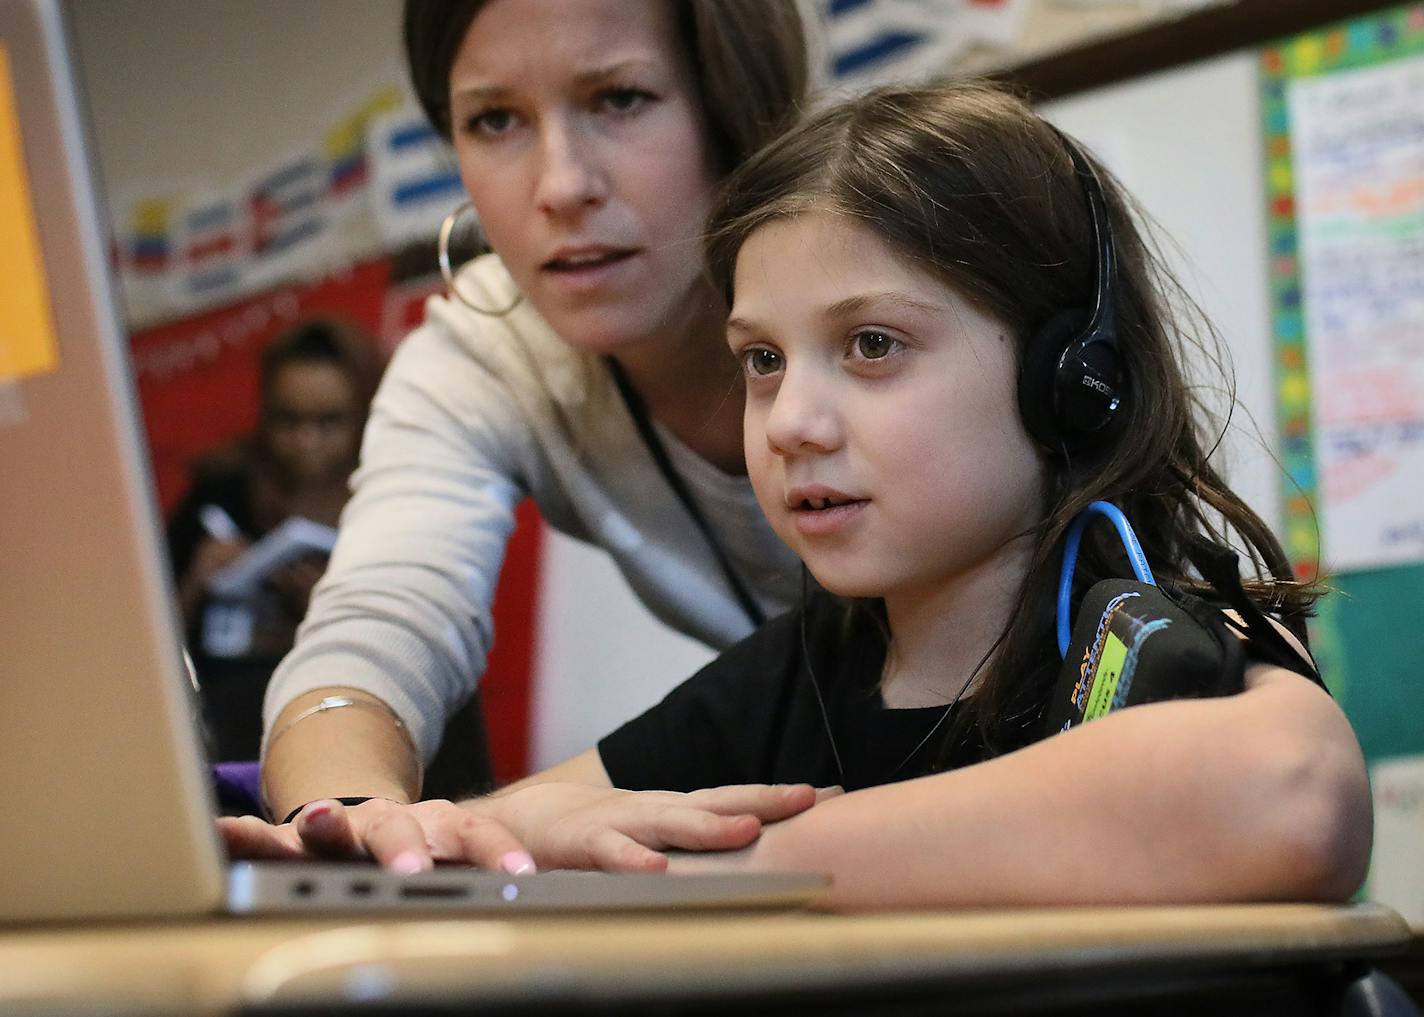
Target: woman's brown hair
[
  {"x": 748, "y": 57},
  {"x": 968, "y": 183}
]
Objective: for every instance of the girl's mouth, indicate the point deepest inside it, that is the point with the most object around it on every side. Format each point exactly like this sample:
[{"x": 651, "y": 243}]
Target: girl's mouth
[{"x": 822, "y": 516}]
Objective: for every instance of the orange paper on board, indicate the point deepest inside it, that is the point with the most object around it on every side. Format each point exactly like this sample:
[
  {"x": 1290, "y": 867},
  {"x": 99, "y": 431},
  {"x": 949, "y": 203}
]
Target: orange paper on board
[{"x": 27, "y": 336}]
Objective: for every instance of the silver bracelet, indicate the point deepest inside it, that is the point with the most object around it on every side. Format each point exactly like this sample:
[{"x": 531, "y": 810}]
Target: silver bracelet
[{"x": 336, "y": 703}]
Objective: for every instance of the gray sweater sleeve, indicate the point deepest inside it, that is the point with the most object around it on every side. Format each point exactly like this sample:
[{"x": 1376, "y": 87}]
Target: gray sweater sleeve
[
  {"x": 473, "y": 414},
  {"x": 404, "y": 610}
]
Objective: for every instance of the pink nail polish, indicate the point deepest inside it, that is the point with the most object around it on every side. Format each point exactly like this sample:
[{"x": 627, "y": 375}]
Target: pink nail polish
[
  {"x": 407, "y": 863},
  {"x": 518, "y": 863}
]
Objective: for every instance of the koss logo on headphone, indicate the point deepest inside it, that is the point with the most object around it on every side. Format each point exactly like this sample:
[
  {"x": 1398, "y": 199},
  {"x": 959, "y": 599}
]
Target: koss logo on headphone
[{"x": 1071, "y": 383}]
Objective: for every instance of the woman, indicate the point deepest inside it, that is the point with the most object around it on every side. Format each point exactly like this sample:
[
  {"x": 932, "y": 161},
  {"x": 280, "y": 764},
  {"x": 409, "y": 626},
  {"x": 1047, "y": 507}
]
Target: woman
[{"x": 582, "y": 363}]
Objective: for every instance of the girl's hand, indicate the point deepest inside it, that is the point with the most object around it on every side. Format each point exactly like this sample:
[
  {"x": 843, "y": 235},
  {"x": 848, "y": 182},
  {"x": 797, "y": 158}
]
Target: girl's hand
[
  {"x": 576, "y": 826},
  {"x": 543, "y": 825}
]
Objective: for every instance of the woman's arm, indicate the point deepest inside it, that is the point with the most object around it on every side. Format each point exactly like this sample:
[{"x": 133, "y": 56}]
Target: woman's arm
[
  {"x": 350, "y": 751},
  {"x": 402, "y": 616},
  {"x": 1257, "y": 796}
]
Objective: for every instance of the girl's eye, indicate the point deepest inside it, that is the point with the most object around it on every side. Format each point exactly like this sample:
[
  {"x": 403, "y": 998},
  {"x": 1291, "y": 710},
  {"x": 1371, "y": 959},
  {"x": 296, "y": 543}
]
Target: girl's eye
[
  {"x": 873, "y": 345},
  {"x": 624, "y": 100},
  {"x": 758, "y": 362}
]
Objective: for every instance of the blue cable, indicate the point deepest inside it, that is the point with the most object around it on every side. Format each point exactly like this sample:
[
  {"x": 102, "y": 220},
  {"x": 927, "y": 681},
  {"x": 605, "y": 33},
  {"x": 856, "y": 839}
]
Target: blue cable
[{"x": 1070, "y": 560}]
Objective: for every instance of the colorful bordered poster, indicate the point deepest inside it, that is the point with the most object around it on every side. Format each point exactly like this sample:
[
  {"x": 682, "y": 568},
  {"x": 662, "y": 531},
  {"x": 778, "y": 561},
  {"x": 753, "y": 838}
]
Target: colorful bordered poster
[
  {"x": 1345, "y": 143},
  {"x": 1344, "y": 150}
]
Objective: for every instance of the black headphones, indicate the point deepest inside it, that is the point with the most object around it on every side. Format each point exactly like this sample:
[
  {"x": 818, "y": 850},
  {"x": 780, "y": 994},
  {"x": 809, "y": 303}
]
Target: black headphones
[{"x": 1072, "y": 380}]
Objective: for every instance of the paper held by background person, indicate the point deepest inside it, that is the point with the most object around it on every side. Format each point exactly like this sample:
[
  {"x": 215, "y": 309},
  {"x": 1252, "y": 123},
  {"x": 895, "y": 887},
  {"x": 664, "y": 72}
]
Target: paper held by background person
[
  {"x": 294, "y": 539},
  {"x": 239, "y": 607}
]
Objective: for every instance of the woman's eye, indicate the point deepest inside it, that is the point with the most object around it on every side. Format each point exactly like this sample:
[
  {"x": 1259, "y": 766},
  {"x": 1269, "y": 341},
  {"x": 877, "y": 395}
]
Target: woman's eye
[
  {"x": 624, "y": 100},
  {"x": 872, "y": 345},
  {"x": 490, "y": 123},
  {"x": 758, "y": 363}
]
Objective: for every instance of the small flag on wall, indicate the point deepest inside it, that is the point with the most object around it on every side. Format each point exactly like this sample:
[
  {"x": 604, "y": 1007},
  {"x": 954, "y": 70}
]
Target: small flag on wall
[
  {"x": 872, "y": 41},
  {"x": 414, "y": 180}
]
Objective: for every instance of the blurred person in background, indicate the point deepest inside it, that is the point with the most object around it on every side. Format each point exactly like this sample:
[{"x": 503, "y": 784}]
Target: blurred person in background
[{"x": 316, "y": 383}]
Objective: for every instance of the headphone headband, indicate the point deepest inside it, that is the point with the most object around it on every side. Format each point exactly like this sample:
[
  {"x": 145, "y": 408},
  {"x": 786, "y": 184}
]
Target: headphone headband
[
  {"x": 1103, "y": 319},
  {"x": 1072, "y": 380}
]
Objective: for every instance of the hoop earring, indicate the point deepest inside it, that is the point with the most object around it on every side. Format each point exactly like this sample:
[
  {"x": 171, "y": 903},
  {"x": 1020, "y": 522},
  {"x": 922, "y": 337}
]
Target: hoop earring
[{"x": 443, "y": 256}]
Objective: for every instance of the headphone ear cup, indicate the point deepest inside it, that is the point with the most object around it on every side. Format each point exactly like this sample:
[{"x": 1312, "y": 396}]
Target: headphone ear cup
[
  {"x": 1038, "y": 375},
  {"x": 1088, "y": 387}
]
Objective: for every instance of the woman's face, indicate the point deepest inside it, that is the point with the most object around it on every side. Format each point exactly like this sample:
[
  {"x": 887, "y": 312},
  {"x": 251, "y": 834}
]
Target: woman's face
[
  {"x": 882, "y": 430},
  {"x": 310, "y": 421},
  {"x": 581, "y": 141}
]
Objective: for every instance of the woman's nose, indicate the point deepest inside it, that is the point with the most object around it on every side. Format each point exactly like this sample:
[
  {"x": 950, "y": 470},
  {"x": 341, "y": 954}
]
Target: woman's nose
[
  {"x": 802, "y": 417},
  {"x": 571, "y": 178}
]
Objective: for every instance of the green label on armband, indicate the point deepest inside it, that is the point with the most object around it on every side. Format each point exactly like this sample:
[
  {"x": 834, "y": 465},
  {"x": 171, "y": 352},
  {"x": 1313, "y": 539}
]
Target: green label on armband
[{"x": 1106, "y": 677}]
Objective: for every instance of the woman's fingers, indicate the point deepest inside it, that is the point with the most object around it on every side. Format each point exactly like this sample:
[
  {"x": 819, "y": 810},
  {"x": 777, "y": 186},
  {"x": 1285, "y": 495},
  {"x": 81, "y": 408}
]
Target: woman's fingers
[
  {"x": 393, "y": 836},
  {"x": 461, "y": 835},
  {"x": 252, "y": 839},
  {"x": 326, "y": 828}
]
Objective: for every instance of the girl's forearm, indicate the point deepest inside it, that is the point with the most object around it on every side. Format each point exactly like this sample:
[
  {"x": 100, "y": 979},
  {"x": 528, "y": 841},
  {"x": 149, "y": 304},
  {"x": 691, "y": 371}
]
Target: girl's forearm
[{"x": 1259, "y": 796}]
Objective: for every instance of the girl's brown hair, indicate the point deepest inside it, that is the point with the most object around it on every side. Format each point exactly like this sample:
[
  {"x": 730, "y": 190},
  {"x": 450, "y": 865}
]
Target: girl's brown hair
[
  {"x": 748, "y": 57},
  {"x": 971, "y": 185}
]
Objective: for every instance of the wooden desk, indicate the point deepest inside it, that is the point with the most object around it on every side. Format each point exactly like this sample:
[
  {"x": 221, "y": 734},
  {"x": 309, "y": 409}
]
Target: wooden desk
[{"x": 1274, "y": 958}]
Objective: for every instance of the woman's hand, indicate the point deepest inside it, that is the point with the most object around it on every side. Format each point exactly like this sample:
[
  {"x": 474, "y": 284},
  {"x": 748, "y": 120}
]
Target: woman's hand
[{"x": 543, "y": 825}]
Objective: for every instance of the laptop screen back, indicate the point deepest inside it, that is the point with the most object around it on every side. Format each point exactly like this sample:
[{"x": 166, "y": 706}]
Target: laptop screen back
[{"x": 106, "y": 810}]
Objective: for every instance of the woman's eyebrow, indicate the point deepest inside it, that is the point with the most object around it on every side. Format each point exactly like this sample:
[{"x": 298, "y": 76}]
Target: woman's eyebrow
[
  {"x": 477, "y": 93},
  {"x": 615, "y": 69}
]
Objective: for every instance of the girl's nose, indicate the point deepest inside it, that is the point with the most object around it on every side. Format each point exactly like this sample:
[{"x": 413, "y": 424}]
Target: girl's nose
[
  {"x": 571, "y": 179},
  {"x": 802, "y": 417}
]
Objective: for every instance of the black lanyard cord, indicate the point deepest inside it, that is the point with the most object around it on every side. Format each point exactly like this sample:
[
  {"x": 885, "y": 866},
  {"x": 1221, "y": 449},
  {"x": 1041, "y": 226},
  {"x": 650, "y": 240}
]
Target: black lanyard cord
[{"x": 654, "y": 445}]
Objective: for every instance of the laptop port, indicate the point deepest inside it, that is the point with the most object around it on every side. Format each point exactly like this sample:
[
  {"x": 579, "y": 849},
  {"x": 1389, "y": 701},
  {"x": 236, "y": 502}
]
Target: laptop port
[{"x": 448, "y": 891}]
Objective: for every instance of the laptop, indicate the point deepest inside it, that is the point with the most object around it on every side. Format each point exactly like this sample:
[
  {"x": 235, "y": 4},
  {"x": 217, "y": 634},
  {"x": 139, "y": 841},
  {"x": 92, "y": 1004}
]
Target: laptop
[{"x": 107, "y": 810}]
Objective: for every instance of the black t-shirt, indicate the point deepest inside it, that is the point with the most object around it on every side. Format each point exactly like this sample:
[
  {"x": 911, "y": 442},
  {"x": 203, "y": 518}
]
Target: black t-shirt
[{"x": 752, "y": 715}]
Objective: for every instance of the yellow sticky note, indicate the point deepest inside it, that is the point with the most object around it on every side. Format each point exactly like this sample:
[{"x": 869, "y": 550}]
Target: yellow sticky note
[{"x": 27, "y": 335}]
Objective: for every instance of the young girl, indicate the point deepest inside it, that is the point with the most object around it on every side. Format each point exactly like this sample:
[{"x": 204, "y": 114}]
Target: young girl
[{"x": 895, "y": 265}]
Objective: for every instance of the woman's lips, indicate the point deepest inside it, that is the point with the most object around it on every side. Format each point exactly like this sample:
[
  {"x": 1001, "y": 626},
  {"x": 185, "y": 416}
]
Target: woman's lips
[
  {"x": 588, "y": 271},
  {"x": 820, "y": 522}
]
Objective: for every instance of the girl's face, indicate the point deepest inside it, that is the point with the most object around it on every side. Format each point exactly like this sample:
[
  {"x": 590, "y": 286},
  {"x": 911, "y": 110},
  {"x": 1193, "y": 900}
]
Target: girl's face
[
  {"x": 310, "y": 420},
  {"x": 581, "y": 141},
  {"x": 882, "y": 432}
]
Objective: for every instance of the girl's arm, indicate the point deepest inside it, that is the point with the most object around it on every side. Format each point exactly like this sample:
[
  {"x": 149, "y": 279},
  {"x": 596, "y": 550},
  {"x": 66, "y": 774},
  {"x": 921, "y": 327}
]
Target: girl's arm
[{"x": 1258, "y": 796}]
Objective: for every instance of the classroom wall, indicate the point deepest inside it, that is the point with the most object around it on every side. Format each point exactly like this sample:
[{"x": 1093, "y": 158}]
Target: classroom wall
[{"x": 209, "y": 90}]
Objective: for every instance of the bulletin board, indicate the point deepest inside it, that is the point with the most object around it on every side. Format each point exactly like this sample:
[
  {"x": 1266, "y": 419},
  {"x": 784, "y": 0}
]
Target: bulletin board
[{"x": 1344, "y": 150}]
